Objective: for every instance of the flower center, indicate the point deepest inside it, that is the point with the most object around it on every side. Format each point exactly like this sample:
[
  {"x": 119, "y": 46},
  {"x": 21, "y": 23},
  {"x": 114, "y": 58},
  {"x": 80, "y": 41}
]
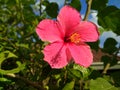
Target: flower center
[{"x": 75, "y": 38}]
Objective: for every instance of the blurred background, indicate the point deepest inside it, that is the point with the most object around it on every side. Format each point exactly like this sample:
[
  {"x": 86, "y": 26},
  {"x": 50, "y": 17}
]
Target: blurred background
[{"x": 21, "y": 59}]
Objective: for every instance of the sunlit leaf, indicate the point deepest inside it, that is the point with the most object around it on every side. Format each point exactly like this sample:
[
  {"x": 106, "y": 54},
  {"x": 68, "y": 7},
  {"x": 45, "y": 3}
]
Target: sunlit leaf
[
  {"x": 1, "y": 88},
  {"x": 85, "y": 71},
  {"x": 5, "y": 80},
  {"x": 45, "y": 2},
  {"x": 69, "y": 86},
  {"x": 75, "y": 73},
  {"x": 101, "y": 30},
  {"x": 101, "y": 84},
  {"x": 5, "y": 55},
  {"x": 15, "y": 70},
  {"x": 22, "y": 45}
]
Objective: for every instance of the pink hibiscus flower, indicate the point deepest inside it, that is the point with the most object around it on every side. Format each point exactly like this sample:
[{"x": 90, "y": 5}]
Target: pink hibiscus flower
[{"x": 67, "y": 36}]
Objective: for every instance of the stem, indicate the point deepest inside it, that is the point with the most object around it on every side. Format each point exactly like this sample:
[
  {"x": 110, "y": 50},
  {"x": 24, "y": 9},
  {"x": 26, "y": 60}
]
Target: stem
[
  {"x": 10, "y": 42},
  {"x": 89, "y": 3},
  {"x": 40, "y": 7},
  {"x": 106, "y": 68},
  {"x": 34, "y": 84},
  {"x": 108, "y": 64},
  {"x": 81, "y": 84},
  {"x": 66, "y": 2},
  {"x": 65, "y": 77}
]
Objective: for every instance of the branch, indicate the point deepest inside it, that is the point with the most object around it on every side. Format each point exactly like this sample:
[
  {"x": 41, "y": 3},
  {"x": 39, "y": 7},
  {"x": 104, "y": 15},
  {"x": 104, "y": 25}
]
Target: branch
[
  {"x": 89, "y": 3},
  {"x": 106, "y": 68},
  {"x": 40, "y": 7},
  {"x": 34, "y": 84},
  {"x": 66, "y": 2},
  {"x": 108, "y": 64}
]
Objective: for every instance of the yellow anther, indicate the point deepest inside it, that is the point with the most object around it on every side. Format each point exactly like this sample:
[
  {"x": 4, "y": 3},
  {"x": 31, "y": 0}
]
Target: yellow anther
[{"x": 75, "y": 38}]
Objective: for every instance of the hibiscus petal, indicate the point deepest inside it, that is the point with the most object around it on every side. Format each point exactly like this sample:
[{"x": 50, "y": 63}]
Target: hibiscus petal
[
  {"x": 88, "y": 31},
  {"x": 68, "y": 18},
  {"x": 55, "y": 55},
  {"x": 49, "y": 30},
  {"x": 81, "y": 54}
]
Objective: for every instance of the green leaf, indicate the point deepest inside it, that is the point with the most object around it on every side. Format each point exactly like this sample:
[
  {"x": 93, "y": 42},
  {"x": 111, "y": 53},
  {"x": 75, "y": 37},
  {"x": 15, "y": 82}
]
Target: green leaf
[
  {"x": 101, "y": 84},
  {"x": 5, "y": 55},
  {"x": 95, "y": 74},
  {"x": 116, "y": 78},
  {"x": 109, "y": 18},
  {"x": 5, "y": 80},
  {"x": 75, "y": 73},
  {"x": 45, "y": 3},
  {"x": 110, "y": 42},
  {"x": 110, "y": 46},
  {"x": 22, "y": 45},
  {"x": 52, "y": 9},
  {"x": 106, "y": 59},
  {"x": 1, "y": 88},
  {"x": 94, "y": 45},
  {"x": 76, "y": 4},
  {"x": 85, "y": 71},
  {"x": 99, "y": 4},
  {"x": 101, "y": 30},
  {"x": 69, "y": 86},
  {"x": 15, "y": 70}
]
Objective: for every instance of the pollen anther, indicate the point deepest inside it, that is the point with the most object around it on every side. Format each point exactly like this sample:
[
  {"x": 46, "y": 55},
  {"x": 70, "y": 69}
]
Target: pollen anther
[{"x": 75, "y": 38}]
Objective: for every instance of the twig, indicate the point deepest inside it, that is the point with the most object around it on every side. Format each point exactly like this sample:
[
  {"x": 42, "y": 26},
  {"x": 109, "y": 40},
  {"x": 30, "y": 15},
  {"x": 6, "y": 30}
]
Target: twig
[
  {"x": 66, "y": 2},
  {"x": 10, "y": 42},
  {"x": 34, "y": 84},
  {"x": 106, "y": 68},
  {"x": 40, "y": 7},
  {"x": 89, "y": 3},
  {"x": 108, "y": 64},
  {"x": 81, "y": 84}
]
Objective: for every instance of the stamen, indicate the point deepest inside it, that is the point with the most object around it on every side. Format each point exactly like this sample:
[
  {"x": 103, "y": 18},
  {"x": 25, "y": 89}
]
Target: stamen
[{"x": 75, "y": 38}]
